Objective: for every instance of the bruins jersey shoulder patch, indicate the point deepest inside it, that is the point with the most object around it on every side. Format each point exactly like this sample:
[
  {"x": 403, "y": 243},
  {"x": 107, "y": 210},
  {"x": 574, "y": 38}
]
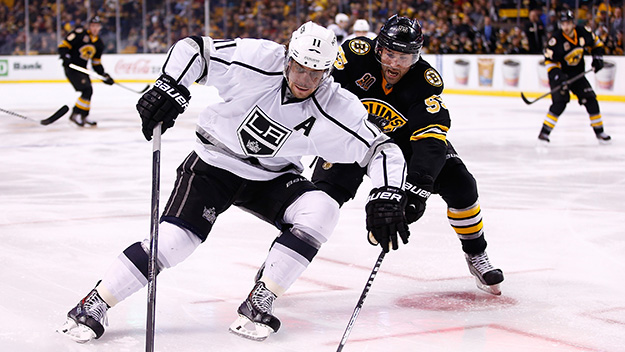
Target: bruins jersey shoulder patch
[
  {"x": 385, "y": 110},
  {"x": 359, "y": 46},
  {"x": 432, "y": 77},
  {"x": 552, "y": 41}
]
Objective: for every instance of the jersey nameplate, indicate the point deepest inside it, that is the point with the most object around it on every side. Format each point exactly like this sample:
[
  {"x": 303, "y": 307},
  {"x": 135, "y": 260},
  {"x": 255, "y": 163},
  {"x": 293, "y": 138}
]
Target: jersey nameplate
[
  {"x": 383, "y": 109},
  {"x": 261, "y": 136}
]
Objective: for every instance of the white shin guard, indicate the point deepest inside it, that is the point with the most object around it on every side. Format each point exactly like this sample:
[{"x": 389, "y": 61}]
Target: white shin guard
[{"x": 123, "y": 278}]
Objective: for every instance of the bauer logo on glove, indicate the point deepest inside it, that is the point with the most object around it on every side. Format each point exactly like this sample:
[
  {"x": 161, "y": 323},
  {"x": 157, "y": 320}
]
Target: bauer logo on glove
[{"x": 179, "y": 98}]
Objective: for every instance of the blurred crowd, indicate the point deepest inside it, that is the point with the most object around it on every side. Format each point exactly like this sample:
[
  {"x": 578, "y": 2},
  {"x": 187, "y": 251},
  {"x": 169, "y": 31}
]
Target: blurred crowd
[{"x": 449, "y": 26}]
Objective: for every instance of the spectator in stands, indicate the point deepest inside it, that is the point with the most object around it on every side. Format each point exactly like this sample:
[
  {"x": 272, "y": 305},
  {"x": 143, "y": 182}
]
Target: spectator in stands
[
  {"x": 489, "y": 35},
  {"x": 535, "y": 33}
]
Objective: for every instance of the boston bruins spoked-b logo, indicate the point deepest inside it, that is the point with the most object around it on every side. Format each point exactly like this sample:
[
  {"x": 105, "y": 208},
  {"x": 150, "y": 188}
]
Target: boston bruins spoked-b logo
[{"x": 260, "y": 136}]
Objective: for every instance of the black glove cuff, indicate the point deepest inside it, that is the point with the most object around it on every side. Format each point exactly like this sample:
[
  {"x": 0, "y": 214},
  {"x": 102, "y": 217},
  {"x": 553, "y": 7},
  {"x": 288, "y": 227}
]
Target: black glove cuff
[
  {"x": 387, "y": 194},
  {"x": 174, "y": 91}
]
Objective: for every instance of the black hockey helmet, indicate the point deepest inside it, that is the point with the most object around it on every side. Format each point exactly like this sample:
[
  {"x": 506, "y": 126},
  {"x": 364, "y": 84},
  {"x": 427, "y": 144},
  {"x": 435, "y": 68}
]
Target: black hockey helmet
[
  {"x": 566, "y": 15},
  {"x": 401, "y": 34},
  {"x": 95, "y": 19}
]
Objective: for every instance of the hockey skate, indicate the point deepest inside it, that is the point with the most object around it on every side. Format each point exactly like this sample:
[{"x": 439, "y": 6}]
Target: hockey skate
[
  {"x": 256, "y": 321},
  {"x": 77, "y": 119},
  {"x": 543, "y": 138},
  {"x": 87, "y": 122},
  {"x": 85, "y": 321},
  {"x": 603, "y": 138},
  {"x": 487, "y": 278}
]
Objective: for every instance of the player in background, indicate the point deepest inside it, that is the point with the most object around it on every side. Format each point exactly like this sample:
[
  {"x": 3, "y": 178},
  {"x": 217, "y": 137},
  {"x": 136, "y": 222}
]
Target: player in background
[
  {"x": 339, "y": 27},
  {"x": 78, "y": 47},
  {"x": 564, "y": 58},
  {"x": 402, "y": 92},
  {"x": 361, "y": 28},
  {"x": 278, "y": 105}
]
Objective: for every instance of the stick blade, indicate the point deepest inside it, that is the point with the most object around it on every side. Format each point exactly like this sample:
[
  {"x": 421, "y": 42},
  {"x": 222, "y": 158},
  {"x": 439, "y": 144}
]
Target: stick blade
[
  {"x": 57, "y": 115},
  {"x": 525, "y": 99}
]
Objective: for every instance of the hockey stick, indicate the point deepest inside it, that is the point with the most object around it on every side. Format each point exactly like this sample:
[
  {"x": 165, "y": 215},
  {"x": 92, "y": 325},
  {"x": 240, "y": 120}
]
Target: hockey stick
[
  {"x": 96, "y": 75},
  {"x": 57, "y": 115},
  {"x": 361, "y": 301},
  {"x": 152, "y": 266},
  {"x": 558, "y": 88}
]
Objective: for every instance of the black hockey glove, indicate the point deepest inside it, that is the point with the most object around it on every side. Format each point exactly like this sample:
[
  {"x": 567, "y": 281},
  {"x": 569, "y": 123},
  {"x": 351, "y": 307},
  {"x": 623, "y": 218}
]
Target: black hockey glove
[
  {"x": 559, "y": 79},
  {"x": 597, "y": 62},
  {"x": 378, "y": 121},
  {"x": 162, "y": 103},
  {"x": 385, "y": 217},
  {"x": 418, "y": 193},
  {"x": 67, "y": 59},
  {"x": 108, "y": 80}
]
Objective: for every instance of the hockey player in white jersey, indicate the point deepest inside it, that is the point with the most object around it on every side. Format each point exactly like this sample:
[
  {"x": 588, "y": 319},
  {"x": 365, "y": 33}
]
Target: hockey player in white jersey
[{"x": 278, "y": 105}]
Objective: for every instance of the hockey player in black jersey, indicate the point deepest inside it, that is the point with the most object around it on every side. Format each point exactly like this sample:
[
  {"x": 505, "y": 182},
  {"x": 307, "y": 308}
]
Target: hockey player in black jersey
[
  {"x": 78, "y": 47},
  {"x": 402, "y": 92},
  {"x": 564, "y": 58}
]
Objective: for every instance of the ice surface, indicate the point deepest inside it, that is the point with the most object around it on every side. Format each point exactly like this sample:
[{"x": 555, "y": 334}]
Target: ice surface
[{"x": 72, "y": 199}]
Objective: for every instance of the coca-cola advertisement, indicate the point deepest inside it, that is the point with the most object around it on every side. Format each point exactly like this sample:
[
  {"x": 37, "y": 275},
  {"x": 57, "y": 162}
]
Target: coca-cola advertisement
[{"x": 134, "y": 66}]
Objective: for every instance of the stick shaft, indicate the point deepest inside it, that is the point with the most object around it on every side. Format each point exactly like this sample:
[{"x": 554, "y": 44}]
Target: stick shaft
[
  {"x": 361, "y": 301},
  {"x": 152, "y": 265},
  {"x": 98, "y": 76},
  {"x": 556, "y": 89}
]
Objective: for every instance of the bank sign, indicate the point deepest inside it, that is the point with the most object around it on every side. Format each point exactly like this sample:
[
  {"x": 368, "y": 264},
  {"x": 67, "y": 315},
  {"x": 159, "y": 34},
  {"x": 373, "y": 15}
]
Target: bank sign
[
  {"x": 28, "y": 68},
  {"x": 4, "y": 68}
]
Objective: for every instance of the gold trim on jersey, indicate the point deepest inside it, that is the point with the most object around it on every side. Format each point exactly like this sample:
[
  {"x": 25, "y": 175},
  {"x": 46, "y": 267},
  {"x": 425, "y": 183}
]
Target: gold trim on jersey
[
  {"x": 341, "y": 60},
  {"x": 431, "y": 131},
  {"x": 65, "y": 44},
  {"x": 572, "y": 40},
  {"x": 385, "y": 110},
  {"x": 550, "y": 65},
  {"x": 388, "y": 88}
]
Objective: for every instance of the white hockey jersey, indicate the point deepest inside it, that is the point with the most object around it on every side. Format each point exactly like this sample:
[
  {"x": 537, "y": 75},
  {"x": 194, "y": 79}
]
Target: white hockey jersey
[{"x": 258, "y": 135}]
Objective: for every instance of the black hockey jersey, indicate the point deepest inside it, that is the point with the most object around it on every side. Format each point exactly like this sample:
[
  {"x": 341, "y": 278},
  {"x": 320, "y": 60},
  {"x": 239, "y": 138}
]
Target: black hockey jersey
[
  {"x": 567, "y": 52},
  {"x": 418, "y": 118},
  {"x": 82, "y": 47}
]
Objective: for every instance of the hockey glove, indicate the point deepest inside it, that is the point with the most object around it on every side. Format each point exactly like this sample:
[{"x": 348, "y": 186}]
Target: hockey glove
[
  {"x": 162, "y": 103},
  {"x": 108, "y": 80},
  {"x": 597, "y": 62},
  {"x": 378, "y": 121},
  {"x": 67, "y": 59},
  {"x": 418, "y": 193},
  {"x": 385, "y": 217}
]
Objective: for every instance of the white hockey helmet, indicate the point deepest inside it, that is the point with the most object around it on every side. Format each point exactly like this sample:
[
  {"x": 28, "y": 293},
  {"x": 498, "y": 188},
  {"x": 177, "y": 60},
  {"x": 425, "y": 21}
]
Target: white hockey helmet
[
  {"x": 340, "y": 18},
  {"x": 313, "y": 46},
  {"x": 361, "y": 26}
]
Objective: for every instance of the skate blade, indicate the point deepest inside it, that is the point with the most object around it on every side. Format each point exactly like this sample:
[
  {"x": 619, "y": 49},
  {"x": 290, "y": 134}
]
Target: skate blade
[
  {"x": 248, "y": 329},
  {"x": 542, "y": 147},
  {"x": 492, "y": 289},
  {"x": 604, "y": 142},
  {"x": 77, "y": 332}
]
